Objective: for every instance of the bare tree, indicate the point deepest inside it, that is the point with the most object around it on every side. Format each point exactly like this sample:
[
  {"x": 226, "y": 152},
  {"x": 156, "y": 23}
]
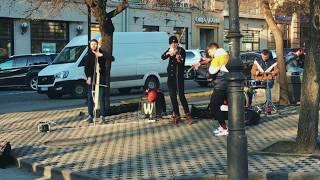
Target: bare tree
[
  {"x": 270, "y": 10},
  {"x": 284, "y": 97},
  {"x": 309, "y": 112}
]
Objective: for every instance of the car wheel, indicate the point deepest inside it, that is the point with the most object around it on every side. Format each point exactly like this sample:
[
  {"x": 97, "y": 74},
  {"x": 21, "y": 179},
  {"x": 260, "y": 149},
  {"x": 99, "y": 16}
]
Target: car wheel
[
  {"x": 33, "y": 83},
  {"x": 203, "y": 84},
  {"x": 54, "y": 95},
  {"x": 124, "y": 90},
  {"x": 188, "y": 73},
  {"x": 151, "y": 83},
  {"x": 79, "y": 91}
]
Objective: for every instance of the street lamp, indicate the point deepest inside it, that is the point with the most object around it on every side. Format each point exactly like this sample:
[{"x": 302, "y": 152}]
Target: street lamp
[{"x": 237, "y": 152}]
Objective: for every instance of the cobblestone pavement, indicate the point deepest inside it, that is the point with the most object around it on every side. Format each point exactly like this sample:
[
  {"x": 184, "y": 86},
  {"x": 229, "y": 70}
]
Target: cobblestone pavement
[{"x": 129, "y": 147}]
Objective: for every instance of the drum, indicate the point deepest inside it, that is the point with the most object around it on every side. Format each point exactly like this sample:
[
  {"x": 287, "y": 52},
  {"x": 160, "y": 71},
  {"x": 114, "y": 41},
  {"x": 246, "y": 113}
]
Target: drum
[{"x": 255, "y": 84}]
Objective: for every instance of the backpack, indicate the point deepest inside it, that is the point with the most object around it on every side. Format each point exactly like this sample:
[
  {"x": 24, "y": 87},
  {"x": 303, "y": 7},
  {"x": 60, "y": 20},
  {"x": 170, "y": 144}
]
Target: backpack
[
  {"x": 160, "y": 104},
  {"x": 251, "y": 117},
  {"x": 5, "y": 154}
]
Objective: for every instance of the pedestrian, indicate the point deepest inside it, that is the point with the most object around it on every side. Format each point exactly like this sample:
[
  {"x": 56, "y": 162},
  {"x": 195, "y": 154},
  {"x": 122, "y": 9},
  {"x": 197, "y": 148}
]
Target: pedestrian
[
  {"x": 175, "y": 70},
  {"x": 265, "y": 70},
  {"x": 219, "y": 97},
  {"x": 294, "y": 61},
  {"x": 94, "y": 53}
]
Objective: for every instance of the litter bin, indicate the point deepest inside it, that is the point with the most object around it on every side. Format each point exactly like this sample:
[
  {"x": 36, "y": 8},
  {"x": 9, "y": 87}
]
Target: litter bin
[{"x": 294, "y": 86}]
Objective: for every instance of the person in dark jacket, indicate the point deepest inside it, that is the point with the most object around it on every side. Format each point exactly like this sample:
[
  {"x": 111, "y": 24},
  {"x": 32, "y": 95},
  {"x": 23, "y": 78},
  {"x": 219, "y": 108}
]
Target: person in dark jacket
[
  {"x": 218, "y": 58},
  {"x": 175, "y": 70},
  {"x": 93, "y": 54},
  {"x": 265, "y": 69}
]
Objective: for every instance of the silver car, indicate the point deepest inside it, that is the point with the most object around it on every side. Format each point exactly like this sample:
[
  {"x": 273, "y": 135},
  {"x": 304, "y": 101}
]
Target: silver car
[{"x": 192, "y": 57}]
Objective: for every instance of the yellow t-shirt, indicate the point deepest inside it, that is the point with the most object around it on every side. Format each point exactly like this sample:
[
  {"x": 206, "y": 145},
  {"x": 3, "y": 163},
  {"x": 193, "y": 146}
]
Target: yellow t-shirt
[{"x": 221, "y": 58}]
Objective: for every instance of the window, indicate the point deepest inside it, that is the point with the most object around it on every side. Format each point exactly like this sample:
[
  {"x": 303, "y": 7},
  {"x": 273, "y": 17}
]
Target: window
[
  {"x": 190, "y": 55},
  {"x": 250, "y": 40},
  {"x": 69, "y": 55},
  {"x": 182, "y": 35},
  {"x": 8, "y": 64},
  {"x": 48, "y": 36},
  {"x": 6, "y": 38},
  {"x": 36, "y": 60},
  {"x": 95, "y": 28},
  {"x": 20, "y": 62},
  {"x": 147, "y": 28}
]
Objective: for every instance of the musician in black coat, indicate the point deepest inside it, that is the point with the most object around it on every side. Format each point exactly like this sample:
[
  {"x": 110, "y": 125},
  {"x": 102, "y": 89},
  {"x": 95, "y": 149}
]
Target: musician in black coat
[
  {"x": 175, "y": 70},
  {"x": 89, "y": 69}
]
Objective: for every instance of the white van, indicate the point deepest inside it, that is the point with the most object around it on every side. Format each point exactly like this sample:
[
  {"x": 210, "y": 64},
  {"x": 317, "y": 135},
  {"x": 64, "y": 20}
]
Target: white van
[{"x": 137, "y": 63}]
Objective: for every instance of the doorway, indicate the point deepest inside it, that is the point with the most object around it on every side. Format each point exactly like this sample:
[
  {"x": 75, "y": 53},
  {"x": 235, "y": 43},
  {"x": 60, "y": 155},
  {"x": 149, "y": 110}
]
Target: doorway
[{"x": 206, "y": 37}]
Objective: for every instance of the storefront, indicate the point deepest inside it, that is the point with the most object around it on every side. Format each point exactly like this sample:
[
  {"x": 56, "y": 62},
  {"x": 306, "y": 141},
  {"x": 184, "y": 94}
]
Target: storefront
[
  {"x": 6, "y": 38},
  {"x": 206, "y": 30},
  {"x": 48, "y": 36},
  {"x": 254, "y": 33}
]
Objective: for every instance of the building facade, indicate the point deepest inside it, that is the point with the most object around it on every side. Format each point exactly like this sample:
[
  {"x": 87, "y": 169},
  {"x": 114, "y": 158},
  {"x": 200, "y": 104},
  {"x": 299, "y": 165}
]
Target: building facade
[{"x": 195, "y": 22}]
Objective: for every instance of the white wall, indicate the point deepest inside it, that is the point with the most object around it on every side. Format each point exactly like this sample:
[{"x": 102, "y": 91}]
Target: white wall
[{"x": 22, "y": 42}]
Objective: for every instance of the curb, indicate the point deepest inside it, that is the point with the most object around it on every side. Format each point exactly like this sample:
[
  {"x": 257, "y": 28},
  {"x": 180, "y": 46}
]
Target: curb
[{"x": 66, "y": 174}]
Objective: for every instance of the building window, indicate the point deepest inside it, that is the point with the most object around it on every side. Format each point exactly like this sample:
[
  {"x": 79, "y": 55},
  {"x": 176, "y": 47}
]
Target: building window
[
  {"x": 182, "y": 35},
  {"x": 250, "y": 40},
  {"x": 147, "y": 28},
  {"x": 6, "y": 38},
  {"x": 95, "y": 28},
  {"x": 48, "y": 36}
]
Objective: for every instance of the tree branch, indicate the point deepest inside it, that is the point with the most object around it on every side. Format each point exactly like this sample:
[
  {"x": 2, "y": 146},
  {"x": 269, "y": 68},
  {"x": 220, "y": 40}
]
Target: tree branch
[{"x": 122, "y": 6}]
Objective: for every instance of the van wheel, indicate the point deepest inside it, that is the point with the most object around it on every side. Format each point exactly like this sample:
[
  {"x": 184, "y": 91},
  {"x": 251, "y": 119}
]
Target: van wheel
[
  {"x": 33, "y": 83},
  {"x": 79, "y": 91},
  {"x": 54, "y": 95},
  {"x": 151, "y": 83},
  {"x": 124, "y": 90}
]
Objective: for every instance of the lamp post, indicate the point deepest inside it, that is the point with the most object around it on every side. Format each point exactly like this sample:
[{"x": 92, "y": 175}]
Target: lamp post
[
  {"x": 237, "y": 139},
  {"x": 89, "y": 24}
]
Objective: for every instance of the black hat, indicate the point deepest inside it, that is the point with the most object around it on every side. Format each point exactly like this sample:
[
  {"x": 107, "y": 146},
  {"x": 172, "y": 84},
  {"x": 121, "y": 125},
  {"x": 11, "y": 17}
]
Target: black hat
[{"x": 173, "y": 39}]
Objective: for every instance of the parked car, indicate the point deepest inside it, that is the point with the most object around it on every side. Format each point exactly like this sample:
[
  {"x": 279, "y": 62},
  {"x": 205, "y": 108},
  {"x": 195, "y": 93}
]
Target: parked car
[
  {"x": 192, "y": 57},
  {"x": 137, "y": 63},
  {"x": 22, "y": 70},
  {"x": 247, "y": 58}
]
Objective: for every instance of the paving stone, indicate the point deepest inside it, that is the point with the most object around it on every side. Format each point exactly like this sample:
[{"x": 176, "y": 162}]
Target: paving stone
[{"x": 128, "y": 147}]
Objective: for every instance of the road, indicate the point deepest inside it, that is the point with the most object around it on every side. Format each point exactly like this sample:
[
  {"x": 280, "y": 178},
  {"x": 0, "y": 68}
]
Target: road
[{"x": 20, "y": 100}]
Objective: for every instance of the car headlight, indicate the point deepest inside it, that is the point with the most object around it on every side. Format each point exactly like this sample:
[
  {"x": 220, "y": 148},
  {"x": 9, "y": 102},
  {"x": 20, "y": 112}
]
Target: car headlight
[{"x": 62, "y": 74}]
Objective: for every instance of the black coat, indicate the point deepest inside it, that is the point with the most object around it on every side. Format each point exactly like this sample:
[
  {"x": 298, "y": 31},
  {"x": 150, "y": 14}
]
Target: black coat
[
  {"x": 175, "y": 69},
  {"x": 89, "y": 67}
]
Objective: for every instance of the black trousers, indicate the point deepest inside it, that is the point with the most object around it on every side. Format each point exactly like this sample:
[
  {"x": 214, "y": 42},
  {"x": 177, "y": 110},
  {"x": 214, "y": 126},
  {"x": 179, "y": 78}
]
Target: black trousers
[
  {"x": 176, "y": 84},
  {"x": 217, "y": 99}
]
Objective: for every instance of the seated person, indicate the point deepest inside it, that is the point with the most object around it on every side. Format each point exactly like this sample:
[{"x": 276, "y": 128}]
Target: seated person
[
  {"x": 294, "y": 61},
  {"x": 266, "y": 69}
]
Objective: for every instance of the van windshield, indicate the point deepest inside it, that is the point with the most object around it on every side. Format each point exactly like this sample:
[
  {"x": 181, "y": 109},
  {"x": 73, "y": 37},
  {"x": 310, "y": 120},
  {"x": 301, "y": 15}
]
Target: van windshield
[{"x": 69, "y": 55}]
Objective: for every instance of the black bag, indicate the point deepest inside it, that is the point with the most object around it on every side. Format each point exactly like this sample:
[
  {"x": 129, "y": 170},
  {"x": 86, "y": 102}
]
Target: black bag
[
  {"x": 5, "y": 154},
  {"x": 201, "y": 112},
  {"x": 251, "y": 117},
  {"x": 160, "y": 104}
]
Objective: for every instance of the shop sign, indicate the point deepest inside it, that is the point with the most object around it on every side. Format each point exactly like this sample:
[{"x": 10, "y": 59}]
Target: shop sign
[{"x": 206, "y": 20}]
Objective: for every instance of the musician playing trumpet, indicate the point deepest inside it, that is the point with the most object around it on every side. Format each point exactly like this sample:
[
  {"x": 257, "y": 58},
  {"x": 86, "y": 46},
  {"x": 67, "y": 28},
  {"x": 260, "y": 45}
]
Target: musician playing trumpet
[{"x": 266, "y": 69}]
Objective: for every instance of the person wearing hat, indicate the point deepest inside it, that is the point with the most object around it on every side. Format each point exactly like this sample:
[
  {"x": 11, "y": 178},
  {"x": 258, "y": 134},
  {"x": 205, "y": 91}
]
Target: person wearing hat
[{"x": 175, "y": 70}]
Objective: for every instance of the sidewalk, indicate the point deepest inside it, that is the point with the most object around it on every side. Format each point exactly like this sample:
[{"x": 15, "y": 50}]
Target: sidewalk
[{"x": 132, "y": 148}]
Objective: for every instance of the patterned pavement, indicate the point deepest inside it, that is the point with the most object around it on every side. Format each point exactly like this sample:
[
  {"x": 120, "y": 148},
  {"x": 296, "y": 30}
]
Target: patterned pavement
[{"x": 129, "y": 147}]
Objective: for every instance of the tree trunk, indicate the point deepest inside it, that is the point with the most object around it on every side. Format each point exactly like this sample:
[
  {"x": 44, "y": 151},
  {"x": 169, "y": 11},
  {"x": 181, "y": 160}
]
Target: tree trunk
[
  {"x": 309, "y": 112},
  {"x": 106, "y": 29},
  {"x": 284, "y": 98}
]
